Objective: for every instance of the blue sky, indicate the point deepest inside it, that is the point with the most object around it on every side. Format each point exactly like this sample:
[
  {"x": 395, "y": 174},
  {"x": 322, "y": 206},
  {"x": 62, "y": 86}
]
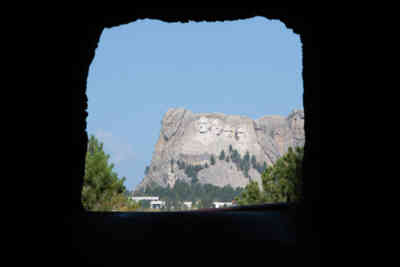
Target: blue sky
[{"x": 246, "y": 67}]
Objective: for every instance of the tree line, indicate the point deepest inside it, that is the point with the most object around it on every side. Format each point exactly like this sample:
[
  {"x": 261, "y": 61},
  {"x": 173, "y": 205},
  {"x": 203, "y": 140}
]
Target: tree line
[
  {"x": 281, "y": 182},
  {"x": 201, "y": 195},
  {"x": 190, "y": 170},
  {"x": 243, "y": 163},
  {"x": 103, "y": 190}
]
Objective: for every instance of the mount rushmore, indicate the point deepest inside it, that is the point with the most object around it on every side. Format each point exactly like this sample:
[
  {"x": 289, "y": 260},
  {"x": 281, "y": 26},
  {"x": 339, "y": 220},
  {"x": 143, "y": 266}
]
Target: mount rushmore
[{"x": 208, "y": 147}]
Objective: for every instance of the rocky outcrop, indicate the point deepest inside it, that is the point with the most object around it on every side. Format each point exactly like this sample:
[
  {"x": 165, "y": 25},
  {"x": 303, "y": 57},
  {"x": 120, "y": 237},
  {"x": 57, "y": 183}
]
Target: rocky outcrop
[{"x": 193, "y": 138}]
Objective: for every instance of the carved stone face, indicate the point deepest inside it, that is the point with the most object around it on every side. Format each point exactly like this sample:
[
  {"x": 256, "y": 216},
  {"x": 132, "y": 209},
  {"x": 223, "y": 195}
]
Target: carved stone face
[
  {"x": 228, "y": 131},
  {"x": 277, "y": 132},
  {"x": 217, "y": 127},
  {"x": 203, "y": 125},
  {"x": 240, "y": 132},
  {"x": 297, "y": 126},
  {"x": 297, "y": 123}
]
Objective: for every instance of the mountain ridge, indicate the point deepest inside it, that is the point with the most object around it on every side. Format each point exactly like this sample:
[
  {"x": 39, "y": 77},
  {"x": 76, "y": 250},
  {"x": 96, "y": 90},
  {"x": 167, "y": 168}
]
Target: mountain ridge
[{"x": 192, "y": 138}]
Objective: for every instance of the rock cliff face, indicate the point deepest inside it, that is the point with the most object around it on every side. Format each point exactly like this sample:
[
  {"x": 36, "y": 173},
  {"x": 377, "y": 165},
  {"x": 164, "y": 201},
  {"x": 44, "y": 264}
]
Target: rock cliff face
[{"x": 193, "y": 138}]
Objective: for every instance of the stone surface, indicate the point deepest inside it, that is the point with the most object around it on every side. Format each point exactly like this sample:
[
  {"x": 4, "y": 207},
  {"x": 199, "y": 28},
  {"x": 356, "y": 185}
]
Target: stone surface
[{"x": 193, "y": 138}]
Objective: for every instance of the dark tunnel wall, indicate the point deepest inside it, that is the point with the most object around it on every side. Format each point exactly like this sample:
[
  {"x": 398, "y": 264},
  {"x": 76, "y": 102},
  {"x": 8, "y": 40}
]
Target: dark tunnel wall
[{"x": 87, "y": 31}]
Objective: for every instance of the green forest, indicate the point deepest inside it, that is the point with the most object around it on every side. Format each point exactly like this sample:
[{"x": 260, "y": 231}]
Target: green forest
[
  {"x": 243, "y": 163},
  {"x": 281, "y": 182},
  {"x": 103, "y": 190},
  {"x": 201, "y": 195}
]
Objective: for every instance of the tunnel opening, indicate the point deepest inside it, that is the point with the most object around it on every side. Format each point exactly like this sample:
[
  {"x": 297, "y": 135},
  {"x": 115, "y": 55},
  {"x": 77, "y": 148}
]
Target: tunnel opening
[
  {"x": 100, "y": 238},
  {"x": 216, "y": 72}
]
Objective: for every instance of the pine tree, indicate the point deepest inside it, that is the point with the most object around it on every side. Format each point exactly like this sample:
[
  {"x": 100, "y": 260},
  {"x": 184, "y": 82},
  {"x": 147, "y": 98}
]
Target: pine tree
[
  {"x": 254, "y": 161},
  {"x": 235, "y": 156},
  {"x": 246, "y": 164},
  {"x": 212, "y": 159},
  {"x": 172, "y": 165},
  {"x": 246, "y": 172},
  {"x": 250, "y": 195},
  {"x": 222, "y": 155},
  {"x": 181, "y": 164},
  {"x": 194, "y": 180},
  {"x": 102, "y": 189},
  {"x": 246, "y": 157},
  {"x": 281, "y": 182}
]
